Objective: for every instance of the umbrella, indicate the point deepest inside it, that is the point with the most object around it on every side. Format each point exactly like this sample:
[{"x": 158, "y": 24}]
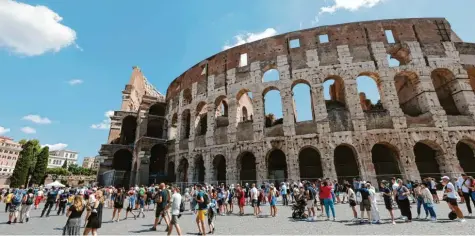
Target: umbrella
[{"x": 55, "y": 184}]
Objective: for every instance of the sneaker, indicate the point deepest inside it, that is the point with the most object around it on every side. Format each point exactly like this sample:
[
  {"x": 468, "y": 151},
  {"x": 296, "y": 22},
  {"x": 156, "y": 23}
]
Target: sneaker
[
  {"x": 327, "y": 219},
  {"x": 9, "y": 222},
  {"x": 27, "y": 219},
  {"x": 417, "y": 216},
  {"x": 470, "y": 214},
  {"x": 433, "y": 220},
  {"x": 153, "y": 229},
  {"x": 427, "y": 217},
  {"x": 394, "y": 222},
  {"x": 334, "y": 219},
  {"x": 461, "y": 220}
]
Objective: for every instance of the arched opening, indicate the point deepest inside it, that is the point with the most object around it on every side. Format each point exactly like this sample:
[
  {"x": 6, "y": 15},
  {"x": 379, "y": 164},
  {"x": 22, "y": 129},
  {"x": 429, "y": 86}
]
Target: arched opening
[
  {"x": 221, "y": 115},
  {"x": 171, "y": 171},
  {"x": 129, "y": 126},
  {"x": 407, "y": 93},
  {"x": 334, "y": 93},
  {"x": 346, "y": 165},
  {"x": 443, "y": 79},
  {"x": 386, "y": 161},
  {"x": 186, "y": 124},
  {"x": 201, "y": 122},
  {"x": 155, "y": 128},
  {"x": 122, "y": 164},
  {"x": 272, "y": 107},
  {"x": 156, "y": 167},
  {"x": 302, "y": 101},
  {"x": 277, "y": 166},
  {"x": 369, "y": 92},
  {"x": 199, "y": 170},
  {"x": 246, "y": 163},
  {"x": 219, "y": 168},
  {"x": 173, "y": 127},
  {"x": 157, "y": 109},
  {"x": 244, "y": 98},
  {"x": 310, "y": 164},
  {"x": 270, "y": 75},
  {"x": 187, "y": 98},
  {"x": 426, "y": 160},
  {"x": 183, "y": 171},
  {"x": 466, "y": 157}
]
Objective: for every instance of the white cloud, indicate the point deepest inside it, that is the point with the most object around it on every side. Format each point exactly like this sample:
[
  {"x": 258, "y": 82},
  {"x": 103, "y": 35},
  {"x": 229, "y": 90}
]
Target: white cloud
[
  {"x": 75, "y": 82},
  {"x": 28, "y": 130},
  {"x": 105, "y": 124},
  {"x": 250, "y": 37},
  {"x": 350, "y": 5},
  {"x": 37, "y": 119},
  {"x": 55, "y": 147},
  {"x": 3, "y": 130},
  {"x": 32, "y": 30}
]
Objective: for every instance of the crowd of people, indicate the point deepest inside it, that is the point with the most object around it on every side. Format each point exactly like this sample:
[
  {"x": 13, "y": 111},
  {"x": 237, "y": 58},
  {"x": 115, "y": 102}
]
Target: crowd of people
[{"x": 209, "y": 201}]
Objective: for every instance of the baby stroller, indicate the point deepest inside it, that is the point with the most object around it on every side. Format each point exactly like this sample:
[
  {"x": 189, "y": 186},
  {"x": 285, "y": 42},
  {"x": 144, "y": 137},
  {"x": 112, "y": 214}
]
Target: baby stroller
[{"x": 298, "y": 209}]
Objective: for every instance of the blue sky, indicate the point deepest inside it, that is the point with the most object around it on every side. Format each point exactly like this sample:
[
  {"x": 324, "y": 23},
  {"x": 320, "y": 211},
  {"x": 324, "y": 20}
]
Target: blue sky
[{"x": 60, "y": 78}]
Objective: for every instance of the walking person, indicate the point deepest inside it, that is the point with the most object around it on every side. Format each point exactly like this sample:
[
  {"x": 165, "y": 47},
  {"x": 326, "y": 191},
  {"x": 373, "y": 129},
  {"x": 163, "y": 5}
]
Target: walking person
[
  {"x": 119, "y": 199},
  {"x": 51, "y": 199},
  {"x": 63, "y": 200},
  {"x": 131, "y": 204},
  {"x": 8, "y": 200},
  {"x": 203, "y": 200},
  {"x": 241, "y": 197},
  {"x": 38, "y": 197},
  {"x": 176, "y": 201},
  {"x": 273, "y": 201},
  {"x": 404, "y": 203},
  {"x": 420, "y": 201},
  {"x": 74, "y": 213},
  {"x": 428, "y": 201},
  {"x": 254, "y": 197},
  {"x": 162, "y": 201},
  {"x": 94, "y": 221},
  {"x": 388, "y": 200},
  {"x": 15, "y": 206},
  {"x": 283, "y": 192},
  {"x": 466, "y": 186},
  {"x": 352, "y": 200},
  {"x": 450, "y": 197},
  {"x": 326, "y": 194},
  {"x": 26, "y": 205}
]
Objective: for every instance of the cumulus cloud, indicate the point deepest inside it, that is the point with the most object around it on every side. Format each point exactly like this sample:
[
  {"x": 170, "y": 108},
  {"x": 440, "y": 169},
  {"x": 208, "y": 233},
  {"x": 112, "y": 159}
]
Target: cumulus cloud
[
  {"x": 3, "y": 130},
  {"x": 75, "y": 82},
  {"x": 28, "y": 130},
  {"x": 106, "y": 123},
  {"x": 250, "y": 37},
  {"x": 350, "y": 5},
  {"x": 32, "y": 30},
  {"x": 37, "y": 119},
  {"x": 55, "y": 147}
]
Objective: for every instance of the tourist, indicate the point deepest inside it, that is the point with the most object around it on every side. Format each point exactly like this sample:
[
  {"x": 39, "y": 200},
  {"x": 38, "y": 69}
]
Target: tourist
[
  {"x": 420, "y": 201},
  {"x": 70, "y": 200},
  {"x": 365, "y": 203},
  {"x": 388, "y": 200},
  {"x": 272, "y": 201},
  {"x": 26, "y": 204},
  {"x": 74, "y": 213},
  {"x": 231, "y": 192},
  {"x": 310, "y": 195},
  {"x": 254, "y": 197},
  {"x": 211, "y": 215},
  {"x": 203, "y": 199},
  {"x": 433, "y": 189},
  {"x": 162, "y": 200},
  {"x": 241, "y": 198},
  {"x": 336, "y": 191},
  {"x": 39, "y": 197},
  {"x": 283, "y": 192},
  {"x": 176, "y": 201},
  {"x": 352, "y": 200},
  {"x": 225, "y": 202},
  {"x": 149, "y": 198},
  {"x": 466, "y": 186},
  {"x": 450, "y": 197},
  {"x": 8, "y": 200},
  {"x": 374, "y": 205},
  {"x": 51, "y": 198},
  {"x": 63, "y": 199},
  {"x": 131, "y": 200},
  {"x": 94, "y": 221},
  {"x": 119, "y": 199},
  {"x": 428, "y": 201},
  {"x": 403, "y": 199},
  {"x": 326, "y": 196},
  {"x": 15, "y": 206},
  {"x": 141, "y": 201}
]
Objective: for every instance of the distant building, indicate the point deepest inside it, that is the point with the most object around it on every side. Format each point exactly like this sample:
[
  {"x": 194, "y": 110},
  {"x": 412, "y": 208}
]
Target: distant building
[
  {"x": 9, "y": 153},
  {"x": 91, "y": 163},
  {"x": 57, "y": 158}
]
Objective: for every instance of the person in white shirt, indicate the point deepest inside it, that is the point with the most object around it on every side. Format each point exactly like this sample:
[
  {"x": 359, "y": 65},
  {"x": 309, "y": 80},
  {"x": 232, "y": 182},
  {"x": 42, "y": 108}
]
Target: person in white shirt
[
  {"x": 451, "y": 198},
  {"x": 374, "y": 205},
  {"x": 176, "y": 202},
  {"x": 465, "y": 183},
  {"x": 254, "y": 197}
]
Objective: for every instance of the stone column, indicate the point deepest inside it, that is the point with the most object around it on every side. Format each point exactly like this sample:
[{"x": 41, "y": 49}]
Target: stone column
[
  {"x": 353, "y": 105},
  {"x": 191, "y": 170},
  {"x": 320, "y": 108},
  {"x": 233, "y": 118},
  {"x": 208, "y": 164},
  {"x": 191, "y": 140},
  {"x": 232, "y": 172},
  {"x": 428, "y": 101},
  {"x": 261, "y": 167},
  {"x": 366, "y": 166},
  {"x": 328, "y": 163},
  {"x": 211, "y": 120},
  {"x": 463, "y": 95},
  {"x": 288, "y": 112},
  {"x": 258, "y": 109},
  {"x": 143, "y": 168},
  {"x": 293, "y": 171},
  {"x": 390, "y": 100}
]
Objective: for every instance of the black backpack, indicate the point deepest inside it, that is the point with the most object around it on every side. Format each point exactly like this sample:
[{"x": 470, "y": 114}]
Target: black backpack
[
  {"x": 182, "y": 206},
  {"x": 29, "y": 200}
]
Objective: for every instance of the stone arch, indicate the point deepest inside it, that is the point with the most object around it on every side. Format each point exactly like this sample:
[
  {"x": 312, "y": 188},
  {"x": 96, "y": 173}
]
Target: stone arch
[
  {"x": 158, "y": 155},
  {"x": 271, "y": 74},
  {"x": 201, "y": 122},
  {"x": 407, "y": 93},
  {"x": 122, "y": 160},
  {"x": 157, "y": 109},
  {"x": 368, "y": 85},
  {"x": 465, "y": 150},
  {"x": 199, "y": 169},
  {"x": 276, "y": 166},
  {"x": 302, "y": 100},
  {"x": 346, "y": 164},
  {"x": 335, "y": 97},
  {"x": 244, "y": 100},
  {"x": 274, "y": 116},
  {"x": 187, "y": 97},
  {"x": 221, "y": 104},
  {"x": 429, "y": 157},
  {"x": 219, "y": 169},
  {"x": 386, "y": 161},
  {"x": 183, "y": 168},
  {"x": 185, "y": 124},
  {"x": 442, "y": 80},
  {"x": 173, "y": 127},
  {"x": 171, "y": 171},
  {"x": 310, "y": 163},
  {"x": 128, "y": 129},
  {"x": 155, "y": 128},
  {"x": 246, "y": 163}
]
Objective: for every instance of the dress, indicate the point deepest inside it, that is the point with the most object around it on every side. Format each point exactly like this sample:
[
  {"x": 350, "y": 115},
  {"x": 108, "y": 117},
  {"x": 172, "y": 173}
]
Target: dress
[
  {"x": 95, "y": 219},
  {"x": 73, "y": 225}
]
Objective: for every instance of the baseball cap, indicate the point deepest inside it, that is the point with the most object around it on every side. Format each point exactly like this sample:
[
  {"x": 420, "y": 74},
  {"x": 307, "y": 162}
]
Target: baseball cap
[{"x": 446, "y": 178}]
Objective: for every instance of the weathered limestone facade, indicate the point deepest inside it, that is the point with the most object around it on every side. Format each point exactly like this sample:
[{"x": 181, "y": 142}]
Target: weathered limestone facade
[{"x": 217, "y": 131}]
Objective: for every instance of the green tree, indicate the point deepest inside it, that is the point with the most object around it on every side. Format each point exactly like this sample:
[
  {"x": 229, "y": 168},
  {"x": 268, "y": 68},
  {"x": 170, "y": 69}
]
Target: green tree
[
  {"x": 36, "y": 151},
  {"x": 65, "y": 165},
  {"x": 57, "y": 171},
  {"x": 20, "y": 174},
  {"x": 39, "y": 172}
]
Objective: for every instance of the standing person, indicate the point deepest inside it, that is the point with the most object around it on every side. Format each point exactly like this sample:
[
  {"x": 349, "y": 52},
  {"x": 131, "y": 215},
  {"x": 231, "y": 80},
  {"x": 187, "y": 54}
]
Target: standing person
[
  {"x": 203, "y": 200},
  {"x": 254, "y": 197},
  {"x": 241, "y": 197},
  {"x": 388, "y": 201},
  {"x": 74, "y": 213},
  {"x": 283, "y": 191},
  {"x": 231, "y": 192},
  {"x": 63, "y": 200},
  {"x": 15, "y": 206},
  {"x": 404, "y": 203},
  {"x": 26, "y": 204},
  {"x": 8, "y": 200},
  {"x": 420, "y": 201},
  {"x": 119, "y": 199},
  {"x": 272, "y": 201},
  {"x": 326, "y": 194},
  {"x": 352, "y": 200},
  {"x": 451, "y": 199},
  {"x": 211, "y": 215},
  {"x": 428, "y": 201},
  {"x": 310, "y": 194},
  {"x": 466, "y": 185},
  {"x": 51, "y": 198},
  {"x": 225, "y": 200},
  {"x": 374, "y": 204},
  {"x": 176, "y": 201},
  {"x": 433, "y": 189},
  {"x": 365, "y": 204},
  {"x": 94, "y": 221}
]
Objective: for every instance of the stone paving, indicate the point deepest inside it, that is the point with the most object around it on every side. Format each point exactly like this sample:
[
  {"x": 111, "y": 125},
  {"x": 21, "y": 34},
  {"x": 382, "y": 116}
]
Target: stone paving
[{"x": 248, "y": 224}]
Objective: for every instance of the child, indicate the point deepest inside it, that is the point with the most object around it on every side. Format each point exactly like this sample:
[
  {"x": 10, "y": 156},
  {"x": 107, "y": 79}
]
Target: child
[
  {"x": 212, "y": 212},
  {"x": 131, "y": 205}
]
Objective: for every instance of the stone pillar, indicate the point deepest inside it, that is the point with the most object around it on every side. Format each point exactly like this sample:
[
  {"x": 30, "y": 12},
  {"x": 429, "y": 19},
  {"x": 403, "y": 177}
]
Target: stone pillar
[
  {"x": 366, "y": 166},
  {"x": 211, "y": 119},
  {"x": 261, "y": 167},
  {"x": 390, "y": 101},
  {"x": 463, "y": 95},
  {"x": 143, "y": 168},
  {"x": 232, "y": 171},
  {"x": 191, "y": 140},
  {"x": 320, "y": 109},
  {"x": 293, "y": 171},
  {"x": 258, "y": 122},
  {"x": 191, "y": 170},
  {"x": 208, "y": 164},
  {"x": 288, "y": 112},
  {"x": 353, "y": 105},
  {"x": 328, "y": 162},
  {"x": 428, "y": 101},
  {"x": 233, "y": 118}
]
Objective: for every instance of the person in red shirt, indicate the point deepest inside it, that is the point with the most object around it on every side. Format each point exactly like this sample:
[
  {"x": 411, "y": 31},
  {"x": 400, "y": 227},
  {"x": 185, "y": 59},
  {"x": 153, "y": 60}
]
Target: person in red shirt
[
  {"x": 241, "y": 196},
  {"x": 326, "y": 196}
]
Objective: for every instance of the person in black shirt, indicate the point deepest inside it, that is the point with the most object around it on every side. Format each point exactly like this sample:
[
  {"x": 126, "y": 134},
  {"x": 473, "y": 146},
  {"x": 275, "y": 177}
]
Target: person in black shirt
[
  {"x": 63, "y": 199},
  {"x": 388, "y": 201},
  {"x": 50, "y": 201}
]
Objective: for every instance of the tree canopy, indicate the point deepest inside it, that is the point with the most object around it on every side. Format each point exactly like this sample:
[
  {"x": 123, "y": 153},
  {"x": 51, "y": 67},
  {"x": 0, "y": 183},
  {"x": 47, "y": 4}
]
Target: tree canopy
[{"x": 39, "y": 172}]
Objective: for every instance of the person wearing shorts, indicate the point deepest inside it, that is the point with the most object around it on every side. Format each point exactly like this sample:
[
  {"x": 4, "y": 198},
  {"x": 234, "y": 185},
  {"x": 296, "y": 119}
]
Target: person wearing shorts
[
  {"x": 202, "y": 209},
  {"x": 162, "y": 201},
  {"x": 176, "y": 201},
  {"x": 450, "y": 197},
  {"x": 365, "y": 204}
]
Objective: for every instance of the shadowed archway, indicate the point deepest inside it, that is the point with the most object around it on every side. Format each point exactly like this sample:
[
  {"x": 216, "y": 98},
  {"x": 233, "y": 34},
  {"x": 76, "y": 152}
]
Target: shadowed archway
[
  {"x": 346, "y": 164},
  {"x": 219, "y": 169},
  {"x": 466, "y": 157},
  {"x": 277, "y": 166},
  {"x": 246, "y": 163},
  {"x": 310, "y": 164},
  {"x": 386, "y": 161}
]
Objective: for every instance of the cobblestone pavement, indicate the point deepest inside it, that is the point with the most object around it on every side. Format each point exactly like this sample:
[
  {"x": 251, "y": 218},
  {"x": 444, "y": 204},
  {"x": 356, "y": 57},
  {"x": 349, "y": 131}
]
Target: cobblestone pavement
[{"x": 248, "y": 224}]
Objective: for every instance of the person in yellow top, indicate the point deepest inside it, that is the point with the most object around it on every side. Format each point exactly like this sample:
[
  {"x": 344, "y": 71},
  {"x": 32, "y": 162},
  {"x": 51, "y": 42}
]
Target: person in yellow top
[{"x": 8, "y": 201}]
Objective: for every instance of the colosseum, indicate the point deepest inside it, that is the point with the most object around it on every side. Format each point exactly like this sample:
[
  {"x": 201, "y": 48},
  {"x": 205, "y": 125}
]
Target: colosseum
[{"x": 211, "y": 125}]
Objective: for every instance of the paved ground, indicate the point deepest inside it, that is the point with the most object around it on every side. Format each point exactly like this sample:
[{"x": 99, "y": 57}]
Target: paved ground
[{"x": 248, "y": 224}]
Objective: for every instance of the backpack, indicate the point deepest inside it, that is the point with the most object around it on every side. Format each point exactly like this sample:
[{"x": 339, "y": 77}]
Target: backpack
[
  {"x": 17, "y": 198},
  {"x": 29, "y": 200},
  {"x": 261, "y": 196},
  {"x": 182, "y": 206},
  {"x": 206, "y": 199},
  {"x": 141, "y": 192}
]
